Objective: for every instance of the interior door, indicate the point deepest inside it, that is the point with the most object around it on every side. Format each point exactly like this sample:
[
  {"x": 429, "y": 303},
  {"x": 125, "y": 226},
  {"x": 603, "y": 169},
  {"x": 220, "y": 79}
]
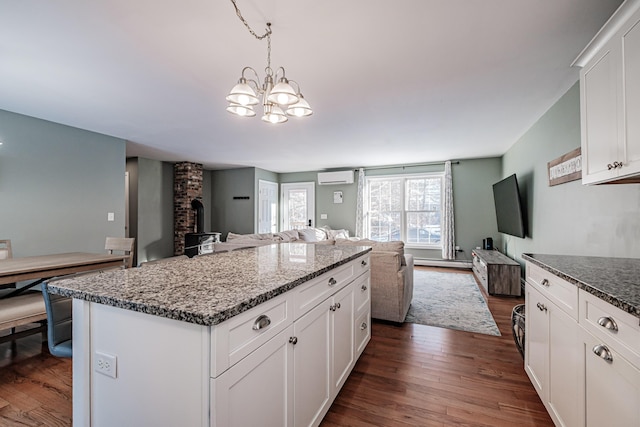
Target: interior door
[
  {"x": 267, "y": 207},
  {"x": 298, "y": 205}
]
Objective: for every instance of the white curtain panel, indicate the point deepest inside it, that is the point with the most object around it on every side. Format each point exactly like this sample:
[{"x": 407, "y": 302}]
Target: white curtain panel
[
  {"x": 360, "y": 205},
  {"x": 448, "y": 230}
]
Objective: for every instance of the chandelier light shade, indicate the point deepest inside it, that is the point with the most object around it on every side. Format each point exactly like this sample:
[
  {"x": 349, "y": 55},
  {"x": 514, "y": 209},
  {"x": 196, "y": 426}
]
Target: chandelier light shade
[{"x": 278, "y": 101}]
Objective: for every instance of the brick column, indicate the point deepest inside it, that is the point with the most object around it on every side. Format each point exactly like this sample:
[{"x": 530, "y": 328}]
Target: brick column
[{"x": 187, "y": 185}]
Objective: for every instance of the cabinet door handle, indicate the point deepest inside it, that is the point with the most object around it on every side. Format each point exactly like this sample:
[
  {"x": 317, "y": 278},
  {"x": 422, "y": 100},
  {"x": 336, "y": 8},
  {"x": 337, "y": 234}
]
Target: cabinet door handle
[
  {"x": 364, "y": 263},
  {"x": 338, "y": 305},
  {"x": 609, "y": 323},
  {"x": 602, "y": 351},
  {"x": 363, "y": 326},
  {"x": 261, "y": 322},
  {"x": 541, "y": 307},
  {"x": 609, "y": 166},
  {"x": 617, "y": 164},
  {"x": 545, "y": 282},
  {"x": 363, "y": 288},
  {"x": 332, "y": 281},
  {"x": 332, "y": 307},
  {"x": 293, "y": 340}
]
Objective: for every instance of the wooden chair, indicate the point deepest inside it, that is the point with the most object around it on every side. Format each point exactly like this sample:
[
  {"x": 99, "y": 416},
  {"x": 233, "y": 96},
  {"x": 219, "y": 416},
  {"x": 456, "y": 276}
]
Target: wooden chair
[
  {"x": 5, "y": 249},
  {"x": 122, "y": 244}
]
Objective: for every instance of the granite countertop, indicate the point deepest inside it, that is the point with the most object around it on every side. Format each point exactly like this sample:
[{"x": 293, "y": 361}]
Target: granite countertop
[
  {"x": 614, "y": 280},
  {"x": 209, "y": 289}
]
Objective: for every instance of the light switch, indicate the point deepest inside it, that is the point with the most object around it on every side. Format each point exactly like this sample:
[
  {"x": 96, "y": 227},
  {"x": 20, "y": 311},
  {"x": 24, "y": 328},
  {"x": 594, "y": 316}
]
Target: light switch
[
  {"x": 111, "y": 216},
  {"x": 323, "y": 216}
]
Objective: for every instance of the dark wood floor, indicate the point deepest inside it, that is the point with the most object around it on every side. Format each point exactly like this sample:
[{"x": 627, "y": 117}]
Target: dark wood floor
[{"x": 409, "y": 375}]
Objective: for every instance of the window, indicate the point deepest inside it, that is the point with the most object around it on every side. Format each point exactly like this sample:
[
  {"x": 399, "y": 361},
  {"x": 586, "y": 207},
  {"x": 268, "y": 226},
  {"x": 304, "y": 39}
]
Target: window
[{"x": 405, "y": 208}]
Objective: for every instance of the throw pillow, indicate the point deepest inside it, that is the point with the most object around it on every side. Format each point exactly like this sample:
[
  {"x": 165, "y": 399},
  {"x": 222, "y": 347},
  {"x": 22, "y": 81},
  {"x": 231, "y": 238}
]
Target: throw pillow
[{"x": 308, "y": 234}]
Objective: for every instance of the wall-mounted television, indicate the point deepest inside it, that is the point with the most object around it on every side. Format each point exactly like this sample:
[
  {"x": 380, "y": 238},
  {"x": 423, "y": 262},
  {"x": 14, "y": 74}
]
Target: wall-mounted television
[{"x": 506, "y": 196}]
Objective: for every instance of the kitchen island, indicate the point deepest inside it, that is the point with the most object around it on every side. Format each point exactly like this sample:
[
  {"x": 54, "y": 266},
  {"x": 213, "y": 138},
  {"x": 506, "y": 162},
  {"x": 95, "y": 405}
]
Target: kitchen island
[{"x": 259, "y": 336}]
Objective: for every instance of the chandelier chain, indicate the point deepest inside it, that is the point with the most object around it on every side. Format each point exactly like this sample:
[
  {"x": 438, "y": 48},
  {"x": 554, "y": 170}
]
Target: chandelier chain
[{"x": 266, "y": 35}]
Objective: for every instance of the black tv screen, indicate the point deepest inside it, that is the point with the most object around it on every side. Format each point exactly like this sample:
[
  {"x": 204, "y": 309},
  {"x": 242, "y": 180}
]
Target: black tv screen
[{"x": 506, "y": 196}]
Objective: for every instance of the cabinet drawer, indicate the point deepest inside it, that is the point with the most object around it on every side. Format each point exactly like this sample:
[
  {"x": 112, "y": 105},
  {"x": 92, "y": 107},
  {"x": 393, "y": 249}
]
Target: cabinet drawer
[
  {"x": 317, "y": 290},
  {"x": 609, "y": 323},
  {"x": 235, "y": 338},
  {"x": 362, "y": 331},
  {"x": 559, "y": 291},
  {"x": 362, "y": 289}
]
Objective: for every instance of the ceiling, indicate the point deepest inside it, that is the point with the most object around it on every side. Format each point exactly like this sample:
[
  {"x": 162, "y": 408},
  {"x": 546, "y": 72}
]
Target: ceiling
[{"x": 390, "y": 82}]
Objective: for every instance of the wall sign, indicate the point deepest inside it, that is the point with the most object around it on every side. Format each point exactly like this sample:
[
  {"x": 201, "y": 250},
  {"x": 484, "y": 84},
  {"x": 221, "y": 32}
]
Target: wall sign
[
  {"x": 337, "y": 197},
  {"x": 565, "y": 168}
]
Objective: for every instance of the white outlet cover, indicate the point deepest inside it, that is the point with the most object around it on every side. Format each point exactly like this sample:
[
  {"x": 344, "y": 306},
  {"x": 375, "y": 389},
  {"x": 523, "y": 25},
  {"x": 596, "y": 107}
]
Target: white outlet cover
[
  {"x": 323, "y": 216},
  {"x": 111, "y": 216},
  {"x": 105, "y": 364}
]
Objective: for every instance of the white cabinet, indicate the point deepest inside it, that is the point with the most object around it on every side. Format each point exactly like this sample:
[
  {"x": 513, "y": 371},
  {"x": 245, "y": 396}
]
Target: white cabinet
[
  {"x": 610, "y": 100},
  {"x": 324, "y": 355},
  {"x": 611, "y": 350},
  {"x": 312, "y": 361},
  {"x": 612, "y": 386},
  {"x": 552, "y": 357},
  {"x": 286, "y": 374},
  {"x": 342, "y": 337},
  {"x": 258, "y": 388},
  {"x": 582, "y": 354}
]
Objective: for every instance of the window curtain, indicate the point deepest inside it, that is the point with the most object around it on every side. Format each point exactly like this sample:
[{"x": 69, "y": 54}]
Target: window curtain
[
  {"x": 360, "y": 205},
  {"x": 448, "y": 230}
]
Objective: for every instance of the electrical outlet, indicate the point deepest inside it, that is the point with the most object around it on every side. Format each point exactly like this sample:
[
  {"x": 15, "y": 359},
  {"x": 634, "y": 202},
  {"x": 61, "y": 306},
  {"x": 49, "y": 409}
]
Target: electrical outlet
[
  {"x": 323, "y": 216},
  {"x": 111, "y": 216},
  {"x": 105, "y": 364}
]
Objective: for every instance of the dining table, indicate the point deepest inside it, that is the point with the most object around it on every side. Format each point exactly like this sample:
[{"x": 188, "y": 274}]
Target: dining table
[{"x": 43, "y": 267}]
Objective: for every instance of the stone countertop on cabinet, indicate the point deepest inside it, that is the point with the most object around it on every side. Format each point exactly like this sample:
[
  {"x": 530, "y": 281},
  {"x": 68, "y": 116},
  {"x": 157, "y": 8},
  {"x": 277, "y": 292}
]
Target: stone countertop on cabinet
[
  {"x": 614, "y": 280},
  {"x": 209, "y": 289}
]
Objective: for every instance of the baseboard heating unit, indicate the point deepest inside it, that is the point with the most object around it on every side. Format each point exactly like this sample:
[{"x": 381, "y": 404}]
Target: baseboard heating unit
[{"x": 429, "y": 262}]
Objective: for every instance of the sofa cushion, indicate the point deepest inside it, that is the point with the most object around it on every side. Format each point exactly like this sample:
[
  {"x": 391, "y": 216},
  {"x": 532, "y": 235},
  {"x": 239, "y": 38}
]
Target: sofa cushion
[
  {"x": 254, "y": 236},
  {"x": 336, "y": 234},
  {"x": 288, "y": 235},
  {"x": 395, "y": 246},
  {"x": 311, "y": 234}
]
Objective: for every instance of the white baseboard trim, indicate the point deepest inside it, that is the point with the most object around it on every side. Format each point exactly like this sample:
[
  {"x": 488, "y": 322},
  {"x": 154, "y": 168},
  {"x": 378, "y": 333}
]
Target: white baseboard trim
[{"x": 441, "y": 263}]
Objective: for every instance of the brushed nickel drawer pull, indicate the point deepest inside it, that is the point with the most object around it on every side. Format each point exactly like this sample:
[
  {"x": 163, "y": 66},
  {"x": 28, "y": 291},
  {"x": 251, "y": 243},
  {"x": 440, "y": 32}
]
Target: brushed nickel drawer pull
[
  {"x": 261, "y": 322},
  {"x": 364, "y": 263},
  {"x": 363, "y": 288},
  {"x": 332, "y": 281},
  {"x": 545, "y": 282},
  {"x": 602, "y": 351},
  {"x": 541, "y": 307},
  {"x": 609, "y": 323},
  {"x": 293, "y": 340},
  {"x": 363, "y": 326}
]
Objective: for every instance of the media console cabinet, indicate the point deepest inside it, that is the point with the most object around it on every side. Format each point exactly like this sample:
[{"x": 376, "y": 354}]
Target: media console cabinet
[{"x": 497, "y": 273}]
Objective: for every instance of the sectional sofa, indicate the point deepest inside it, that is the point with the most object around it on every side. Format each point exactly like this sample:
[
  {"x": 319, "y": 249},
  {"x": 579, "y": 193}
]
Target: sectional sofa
[{"x": 391, "y": 268}]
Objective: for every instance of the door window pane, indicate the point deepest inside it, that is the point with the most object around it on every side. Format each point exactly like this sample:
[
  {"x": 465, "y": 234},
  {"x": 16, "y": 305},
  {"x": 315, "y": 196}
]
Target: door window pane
[{"x": 297, "y": 209}]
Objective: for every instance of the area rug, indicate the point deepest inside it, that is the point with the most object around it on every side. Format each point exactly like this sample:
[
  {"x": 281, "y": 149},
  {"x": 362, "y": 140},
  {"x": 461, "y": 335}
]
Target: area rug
[{"x": 450, "y": 300}]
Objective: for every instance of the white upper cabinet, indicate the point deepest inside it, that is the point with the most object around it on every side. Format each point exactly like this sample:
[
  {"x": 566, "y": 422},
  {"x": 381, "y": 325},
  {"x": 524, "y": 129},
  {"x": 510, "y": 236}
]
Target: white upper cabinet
[{"x": 610, "y": 100}]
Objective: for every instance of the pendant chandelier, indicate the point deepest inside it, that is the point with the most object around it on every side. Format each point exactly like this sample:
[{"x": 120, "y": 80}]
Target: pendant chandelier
[{"x": 279, "y": 100}]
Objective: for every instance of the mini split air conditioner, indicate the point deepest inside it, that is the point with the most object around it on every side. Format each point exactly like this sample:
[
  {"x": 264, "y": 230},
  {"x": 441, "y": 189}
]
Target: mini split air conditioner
[{"x": 337, "y": 177}]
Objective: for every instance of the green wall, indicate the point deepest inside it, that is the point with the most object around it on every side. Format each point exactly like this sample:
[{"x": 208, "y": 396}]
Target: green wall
[
  {"x": 151, "y": 208},
  {"x": 227, "y": 213},
  {"x": 472, "y": 193},
  {"x": 57, "y": 184},
  {"x": 571, "y": 218}
]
